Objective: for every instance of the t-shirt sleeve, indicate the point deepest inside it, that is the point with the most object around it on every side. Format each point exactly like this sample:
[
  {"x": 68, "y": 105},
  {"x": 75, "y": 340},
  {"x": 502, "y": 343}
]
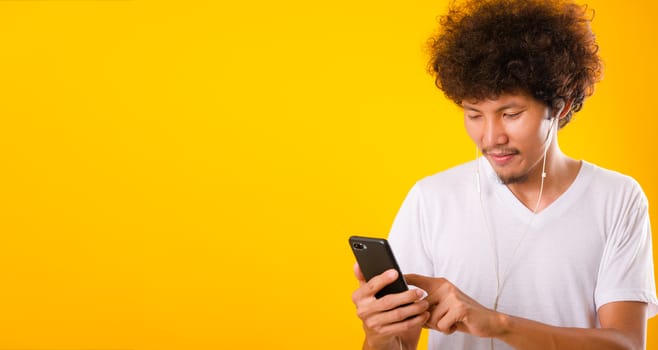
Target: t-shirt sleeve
[
  {"x": 626, "y": 272},
  {"x": 408, "y": 235}
]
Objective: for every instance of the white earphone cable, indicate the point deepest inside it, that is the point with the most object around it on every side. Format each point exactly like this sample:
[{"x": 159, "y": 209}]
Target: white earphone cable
[{"x": 501, "y": 279}]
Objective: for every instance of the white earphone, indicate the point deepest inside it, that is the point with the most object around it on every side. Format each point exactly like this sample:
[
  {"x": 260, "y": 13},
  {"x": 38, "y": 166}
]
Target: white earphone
[{"x": 500, "y": 278}]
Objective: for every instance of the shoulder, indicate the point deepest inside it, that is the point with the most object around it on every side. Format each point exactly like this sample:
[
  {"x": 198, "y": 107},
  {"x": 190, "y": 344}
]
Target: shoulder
[
  {"x": 614, "y": 185},
  {"x": 454, "y": 183},
  {"x": 449, "y": 180}
]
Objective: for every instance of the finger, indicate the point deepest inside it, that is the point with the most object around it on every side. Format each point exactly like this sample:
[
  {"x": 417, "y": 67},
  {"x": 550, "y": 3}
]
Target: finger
[
  {"x": 397, "y": 315},
  {"x": 368, "y": 307},
  {"x": 428, "y": 284},
  {"x": 419, "y": 281},
  {"x": 367, "y": 290},
  {"x": 452, "y": 329},
  {"x": 358, "y": 274},
  {"x": 370, "y": 288},
  {"x": 393, "y": 301},
  {"x": 448, "y": 323},
  {"x": 438, "y": 312},
  {"x": 399, "y": 327},
  {"x": 438, "y": 289}
]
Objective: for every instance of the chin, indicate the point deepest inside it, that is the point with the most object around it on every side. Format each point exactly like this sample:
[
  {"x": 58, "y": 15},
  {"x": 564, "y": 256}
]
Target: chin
[{"x": 508, "y": 179}]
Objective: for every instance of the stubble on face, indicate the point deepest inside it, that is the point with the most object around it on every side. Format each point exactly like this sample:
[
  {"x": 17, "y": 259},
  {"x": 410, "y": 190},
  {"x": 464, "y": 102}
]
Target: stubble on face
[
  {"x": 509, "y": 178},
  {"x": 512, "y": 179}
]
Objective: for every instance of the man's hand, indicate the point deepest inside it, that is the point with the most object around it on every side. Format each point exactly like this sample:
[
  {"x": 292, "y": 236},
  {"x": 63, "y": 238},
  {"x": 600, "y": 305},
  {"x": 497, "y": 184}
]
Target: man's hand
[
  {"x": 392, "y": 319},
  {"x": 623, "y": 324},
  {"x": 452, "y": 310}
]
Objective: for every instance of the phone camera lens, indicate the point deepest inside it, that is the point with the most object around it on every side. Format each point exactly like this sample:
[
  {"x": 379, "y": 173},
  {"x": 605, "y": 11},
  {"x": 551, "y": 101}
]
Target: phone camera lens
[{"x": 359, "y": 246}]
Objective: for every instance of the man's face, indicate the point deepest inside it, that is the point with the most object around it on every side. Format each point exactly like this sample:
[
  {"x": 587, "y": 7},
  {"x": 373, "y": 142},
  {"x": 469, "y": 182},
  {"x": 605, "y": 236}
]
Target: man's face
[{"x": 512, "y": 133}]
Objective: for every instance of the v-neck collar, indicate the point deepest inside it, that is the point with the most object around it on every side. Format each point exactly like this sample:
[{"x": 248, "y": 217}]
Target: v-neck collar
[{"x": 556, "y": 208}]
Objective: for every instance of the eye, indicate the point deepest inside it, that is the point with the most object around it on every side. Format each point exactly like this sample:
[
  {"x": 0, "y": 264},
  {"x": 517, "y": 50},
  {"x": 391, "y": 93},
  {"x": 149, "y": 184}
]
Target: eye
[
  {"x": 512, "y": 115},
  {"x": 473, "y": 116}
]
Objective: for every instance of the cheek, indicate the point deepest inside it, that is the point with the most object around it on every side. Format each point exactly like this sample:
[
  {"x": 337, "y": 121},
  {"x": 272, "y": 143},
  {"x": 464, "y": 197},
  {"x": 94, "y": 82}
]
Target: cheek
[
  {"x": 472, "y": 131},
  {"x": 530, "y": 142},
  {"x": 528, "y": 136}
]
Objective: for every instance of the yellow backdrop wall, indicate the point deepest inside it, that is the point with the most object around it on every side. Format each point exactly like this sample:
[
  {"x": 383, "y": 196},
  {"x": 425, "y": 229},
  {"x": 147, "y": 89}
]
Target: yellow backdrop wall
[{"x": 184, "y": 175}]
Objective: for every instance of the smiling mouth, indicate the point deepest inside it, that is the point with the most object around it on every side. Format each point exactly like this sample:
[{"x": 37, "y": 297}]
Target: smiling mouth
[{"x": 501, "y": 158}]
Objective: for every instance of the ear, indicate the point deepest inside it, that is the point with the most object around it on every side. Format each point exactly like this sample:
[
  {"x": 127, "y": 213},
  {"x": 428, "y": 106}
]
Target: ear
[{"x": 564, "y": 108}]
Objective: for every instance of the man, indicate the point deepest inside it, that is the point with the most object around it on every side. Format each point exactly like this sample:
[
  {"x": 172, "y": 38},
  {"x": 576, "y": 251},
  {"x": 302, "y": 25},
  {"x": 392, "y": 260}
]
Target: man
[{"x": 526, "y": 248}]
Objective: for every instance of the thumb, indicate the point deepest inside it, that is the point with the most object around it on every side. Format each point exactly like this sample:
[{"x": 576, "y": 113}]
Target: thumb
[{"x": 358, "y": 274}]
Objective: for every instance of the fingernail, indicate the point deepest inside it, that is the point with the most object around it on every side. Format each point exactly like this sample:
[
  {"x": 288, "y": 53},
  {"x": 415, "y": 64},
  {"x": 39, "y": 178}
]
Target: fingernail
[
  {"x": 392, "y": 273},
  {"x": 422, "y": 294}
]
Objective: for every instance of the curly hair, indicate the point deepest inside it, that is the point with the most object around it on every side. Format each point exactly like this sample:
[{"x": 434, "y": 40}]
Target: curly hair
[{"x": 485, "y": 48}]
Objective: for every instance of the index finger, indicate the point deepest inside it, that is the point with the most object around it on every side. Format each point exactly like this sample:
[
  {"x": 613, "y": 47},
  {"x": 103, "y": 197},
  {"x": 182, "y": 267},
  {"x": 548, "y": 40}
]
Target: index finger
[{"x": 420, "y": 281}]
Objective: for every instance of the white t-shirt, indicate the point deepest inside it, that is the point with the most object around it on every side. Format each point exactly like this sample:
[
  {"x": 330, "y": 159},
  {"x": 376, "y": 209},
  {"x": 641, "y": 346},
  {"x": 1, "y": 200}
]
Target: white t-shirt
[{"x": 590, "y": 247}]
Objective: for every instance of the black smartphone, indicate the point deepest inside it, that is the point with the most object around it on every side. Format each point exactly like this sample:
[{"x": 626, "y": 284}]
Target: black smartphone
[{"x": 375, "y": 256}]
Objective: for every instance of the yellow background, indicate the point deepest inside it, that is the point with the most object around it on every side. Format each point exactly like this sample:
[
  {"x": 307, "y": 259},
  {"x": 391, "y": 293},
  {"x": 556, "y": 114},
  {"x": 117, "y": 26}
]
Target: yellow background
[{"x": 184, "y": 175}]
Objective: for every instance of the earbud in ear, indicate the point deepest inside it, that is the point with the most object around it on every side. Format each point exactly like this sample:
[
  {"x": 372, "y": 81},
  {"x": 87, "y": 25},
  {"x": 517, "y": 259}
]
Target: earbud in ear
[{"x": 559, "y": 106}]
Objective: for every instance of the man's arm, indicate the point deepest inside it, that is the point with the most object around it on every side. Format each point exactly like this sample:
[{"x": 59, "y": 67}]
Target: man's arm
[{"x": 623, "y": 324}]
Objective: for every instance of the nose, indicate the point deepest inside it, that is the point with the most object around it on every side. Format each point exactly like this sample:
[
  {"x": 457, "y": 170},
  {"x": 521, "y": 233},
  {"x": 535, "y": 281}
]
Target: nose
[{"x": 494, "y": 132}]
